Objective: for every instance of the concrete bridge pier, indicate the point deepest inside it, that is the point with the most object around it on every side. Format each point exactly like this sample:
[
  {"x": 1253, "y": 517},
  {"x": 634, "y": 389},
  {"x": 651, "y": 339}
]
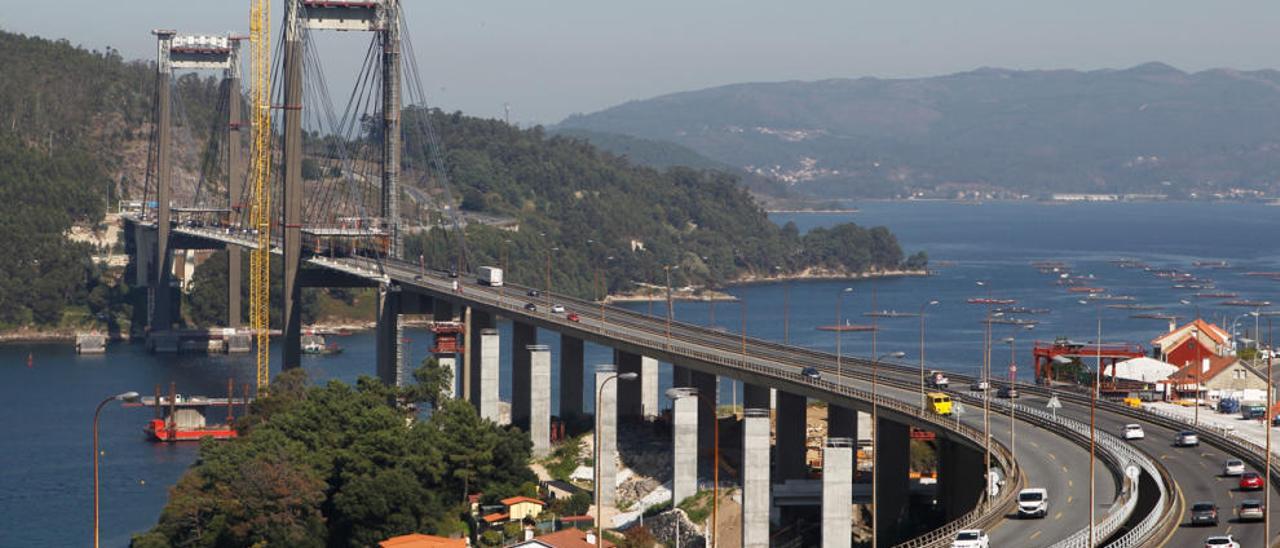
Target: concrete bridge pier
[
  {"x": 960, "y": 480},
  {"x": 837, "y": 493},
  {"x": 637, "y": 399},
  {"x": 893, "y": 482},
  {"x": 684, "y": 443},
  {"x": 387, "y": 336},
  {"x": 606, "y": 437},
  {"x": 477, "y": 322},
  {"x": 486, "y": 381},
  {"x": 442, "y": 311},
  {"x": 571, "y": 366},
  {"x": 540, "y": 398},
  {"x": 756, "y": 488},
  {"x": 791, "y": 431},
  {"x": 707, "y": 401},
  {"x": 523, "y": 335}
]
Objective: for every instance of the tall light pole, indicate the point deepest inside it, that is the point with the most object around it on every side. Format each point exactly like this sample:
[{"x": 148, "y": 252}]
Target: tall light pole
[
  {"x": 127, "y": 397},
  {"x": 549, "y": 252},
  {"x": 1266, "y": 504},
  {"x": 506, "y": 254},
  {"x": 923, "y": 404},
  {"x": 628, "y": 376},
  {"x": 840, "y": 331},
  {"x": 1093, "y": 422},
  {"x": 1013, "y": 380},
  {"x": 671, "y": 309},
  {"x": 875, "y": 447}
]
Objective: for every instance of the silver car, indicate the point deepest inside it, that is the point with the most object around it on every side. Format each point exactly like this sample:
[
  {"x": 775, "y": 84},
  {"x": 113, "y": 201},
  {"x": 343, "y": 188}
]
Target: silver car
[
  {"x": 1251, "y": 510},
  {"x": 1233, "y": 467}
]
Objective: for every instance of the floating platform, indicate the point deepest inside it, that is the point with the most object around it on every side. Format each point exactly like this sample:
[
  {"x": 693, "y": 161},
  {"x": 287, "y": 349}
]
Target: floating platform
[
  {"x": 988, "y": 300},
  {"x": 1250, "y": 304},
  {"x": 847, "y": 327},
  {"x": 185, "y": 418},
  {"x": 1153, "y": 316},
  {"x": 889, "y": 314}
]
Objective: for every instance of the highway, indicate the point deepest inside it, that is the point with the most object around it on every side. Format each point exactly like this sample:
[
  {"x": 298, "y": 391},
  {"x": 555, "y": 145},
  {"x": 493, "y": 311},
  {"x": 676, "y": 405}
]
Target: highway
[{"x": 1060, "y": 465}]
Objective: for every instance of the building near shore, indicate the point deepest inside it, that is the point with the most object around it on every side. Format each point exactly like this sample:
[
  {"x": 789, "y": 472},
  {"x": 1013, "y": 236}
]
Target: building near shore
[
  {"x": 1192, "y": 342},
  {"x": 1218, "y": 377}
]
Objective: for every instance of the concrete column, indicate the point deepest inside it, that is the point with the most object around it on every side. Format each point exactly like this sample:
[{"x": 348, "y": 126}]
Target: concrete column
[
  {"x": 842, "y": 422},
  {"x": 540, "y": 398},
  {"x": 755, "y": 396},
  {"x": 162, "y": 319},
  {"x": 390, "y": 202},
  {"x": 143, "y": 246},
  {"x": 477, "y": 323},
  {"x": 960, "y": 476},
  {"x": 837, "y": 493},
  {"x": 571, "y": 365},
  {"x": 523, "y": 335},
  {"x": 684, "y": 443},
  {"x": 388, "y": 341},
  {"x": 790, "y": 432},
  {"x": 235, "y": 184},
  {"x": 706, "y": 385},
  {"x": 648, "y": 388},
  {"x": 486, "y": 383},
  {"x": 893, "y": 484},
  {"x": 681, "y": 376},
  {"x": 756, "y": 500},
  {"x": 442, "y": 311},
  {"x": 292, "y": 185},
  {"x": 606, "y": 434},
  {"x": 629, "y": 401}
]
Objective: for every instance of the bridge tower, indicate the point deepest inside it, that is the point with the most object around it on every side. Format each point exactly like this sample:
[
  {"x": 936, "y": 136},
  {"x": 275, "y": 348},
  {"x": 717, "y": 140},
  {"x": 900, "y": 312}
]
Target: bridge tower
[
  {"x": 190, "y": 52},
  {"x": 301, "y": 16}
]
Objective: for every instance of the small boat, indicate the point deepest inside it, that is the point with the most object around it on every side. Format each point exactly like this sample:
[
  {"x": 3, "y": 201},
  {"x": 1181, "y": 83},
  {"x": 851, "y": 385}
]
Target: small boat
[
  {"x": 1248, "y": 303},
  {"x": 847, "y": 327},
  {"x": 1210, "y": 264},
  {"x": 1021, "y": 310},
  {"x": 1086, "y": 289},
  {"x": 1015, "y": 321},
  {"x": 988, "y": 300},
  {"x": 1219, "y": 295},
  {"x": 315, "y": 345},
  {"x": 1131, "y": 306},
  {"x": 889, "y": 314},
  {"x": 1110, "y": 297},
  {"x": 1153, "y": 316}
]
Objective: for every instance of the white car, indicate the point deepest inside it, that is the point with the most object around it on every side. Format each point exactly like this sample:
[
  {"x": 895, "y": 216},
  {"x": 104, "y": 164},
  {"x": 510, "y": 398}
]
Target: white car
[
  {"x": 1233, "y": 467},
  {"x": 979, "y": 386},
  {"x": 1134, "y": 432},
  {"x": 557, "y": 309},
  {"x": 1186, "y": 438},
  {"x": 1221, "y": 541},
  {"x": 971, "y": 538},
  {"x": 1033, "y": 502}
]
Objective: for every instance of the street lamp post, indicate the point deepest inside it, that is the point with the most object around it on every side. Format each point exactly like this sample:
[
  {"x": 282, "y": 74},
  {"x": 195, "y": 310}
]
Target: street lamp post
[
  {"x": 1093, "y": 423},
  {"x": 922, "y": 307},
  {"x": 1266, "y": 504},
  {"x": 128, "y": 397},
  {"x": 875, "y": 448},
  {"x": 840, "y": 330},
  {"x": 1013, "y": 381},
  {"x": 628, "y": 376}
]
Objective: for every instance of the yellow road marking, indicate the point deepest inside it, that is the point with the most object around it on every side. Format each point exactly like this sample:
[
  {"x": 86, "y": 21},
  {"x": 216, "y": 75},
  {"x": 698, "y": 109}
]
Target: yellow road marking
[
  {"x": 1051, "y": 456},
  {"x": 1057, "y": 516},
  {"x": 1064, "y": 468},
  {"x": 1069, "y": 499},
  {"x": 1071, "y": 483},
  {"x": 1034, "y": 535}
]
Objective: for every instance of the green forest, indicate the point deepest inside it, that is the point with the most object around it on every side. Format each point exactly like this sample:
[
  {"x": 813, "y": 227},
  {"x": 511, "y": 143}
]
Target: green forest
[
  {"x": 594, "y": 217},
  {"x": 338, "y": 465}
]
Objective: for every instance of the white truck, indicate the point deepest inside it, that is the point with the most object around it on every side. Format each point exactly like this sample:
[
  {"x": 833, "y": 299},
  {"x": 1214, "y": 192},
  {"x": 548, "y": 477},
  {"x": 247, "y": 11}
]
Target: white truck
[{"x": 490, "y": 276}]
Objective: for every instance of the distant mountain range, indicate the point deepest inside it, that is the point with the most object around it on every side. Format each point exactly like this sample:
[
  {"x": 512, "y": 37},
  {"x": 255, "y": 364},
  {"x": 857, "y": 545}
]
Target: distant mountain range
[{"x": 1150, "y": 129}]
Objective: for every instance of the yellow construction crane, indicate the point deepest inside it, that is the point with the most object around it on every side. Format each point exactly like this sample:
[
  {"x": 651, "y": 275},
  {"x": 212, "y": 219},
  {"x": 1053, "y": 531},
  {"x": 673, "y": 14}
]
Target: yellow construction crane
[{"x": 260, "y": 186}]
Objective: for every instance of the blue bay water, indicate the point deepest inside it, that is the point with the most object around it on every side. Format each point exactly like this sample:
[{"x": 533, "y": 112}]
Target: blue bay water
[{"x": 45, "y": 496}]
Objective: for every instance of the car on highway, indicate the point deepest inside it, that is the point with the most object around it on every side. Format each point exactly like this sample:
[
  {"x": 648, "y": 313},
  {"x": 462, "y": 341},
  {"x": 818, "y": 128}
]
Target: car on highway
[
  {"x": 810, "y": 372},
  {"x": 1251, "y": 510},
  {"x": 573, "y": 317},
  {"x": 531, "y": 307},
  {"x": 1204, "y": 513},
  {"x": 1186, "y": 438},
  {"x": 1007, "y": 392},
  {"x": 1134, "y": 432},
  {"x": 1251, "y": 481},
  {"x": 971, "y": 538},
  {"x": 1233, "y": 467},
  {"x": 533, "y": 293},
  {"x": 1221, "y": 541},
  {"x": 1033, "y": 502},
  {"x": 557, "y": 309},
  {"x": 979, "y": 386},
  {"x": 940, "y": 403}
]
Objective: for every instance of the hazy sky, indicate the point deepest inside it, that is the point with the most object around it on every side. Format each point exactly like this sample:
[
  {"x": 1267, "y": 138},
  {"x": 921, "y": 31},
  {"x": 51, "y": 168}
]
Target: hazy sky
[{"x": 551, "y": 58}]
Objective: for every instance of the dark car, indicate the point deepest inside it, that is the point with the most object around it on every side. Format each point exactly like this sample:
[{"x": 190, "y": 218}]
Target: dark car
[
  {"x": 1007, "y": 392},
  {"x": 1204, "y": 513},
  {"x": 811, "y": 372},
  {"x": 453, "y": 273},
  {"x": 531, "y": 307},
  {"x": 534, "y": 293}
]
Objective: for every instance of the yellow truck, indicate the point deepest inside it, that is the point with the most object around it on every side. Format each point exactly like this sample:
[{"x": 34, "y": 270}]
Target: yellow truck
[{"x": 939, "y": 402}]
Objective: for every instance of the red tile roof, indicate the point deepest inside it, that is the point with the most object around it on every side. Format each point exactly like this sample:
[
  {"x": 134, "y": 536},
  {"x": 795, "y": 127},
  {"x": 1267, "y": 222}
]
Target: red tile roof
[
  {"x": 570, "y": 538},
  {"x": 517, "y": 500},
  {"x": 1217, "y": 364},
  {"x": 419, "y": 540},
  {"x": 1215, "y": 333},
  {"x": 496, "y": 517}
]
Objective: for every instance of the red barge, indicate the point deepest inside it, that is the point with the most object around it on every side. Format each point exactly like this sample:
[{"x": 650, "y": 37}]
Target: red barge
[{"x": 186, "y": 418}]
